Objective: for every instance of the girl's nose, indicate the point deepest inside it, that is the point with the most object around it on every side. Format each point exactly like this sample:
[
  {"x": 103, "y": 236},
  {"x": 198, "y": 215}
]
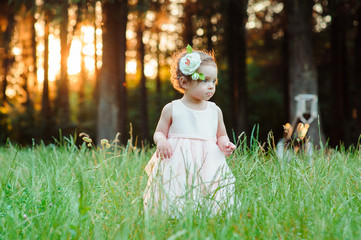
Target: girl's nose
[{"x": 211, "y": 85}]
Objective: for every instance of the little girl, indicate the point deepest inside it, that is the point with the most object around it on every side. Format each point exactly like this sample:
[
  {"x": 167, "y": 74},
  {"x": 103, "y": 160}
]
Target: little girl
[{"x": 191, "y": 139}]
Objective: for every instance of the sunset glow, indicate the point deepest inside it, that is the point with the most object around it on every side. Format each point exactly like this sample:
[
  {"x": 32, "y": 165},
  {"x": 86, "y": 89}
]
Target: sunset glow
[
  {"x": 131, "y": 67},
  {"x": 74, "y": 59},
  {"x": 83, "y": 45},
  {"x": 86, "y": 43},
  {"x": 150, "y": 68}
]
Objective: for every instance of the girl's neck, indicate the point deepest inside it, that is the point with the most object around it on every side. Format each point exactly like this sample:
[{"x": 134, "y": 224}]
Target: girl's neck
[{"x": 193, "y": 103}]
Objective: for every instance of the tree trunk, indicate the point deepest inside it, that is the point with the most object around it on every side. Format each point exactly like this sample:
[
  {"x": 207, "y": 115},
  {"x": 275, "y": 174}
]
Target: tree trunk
[
  {"x": 187, "y": 21},
  {"x": 123, "y": 116},
  {"x": 6, "y": 65},
  {"x": 143, "y": 87},
  {"x": 339, "y": 72},
  {"x": 33, "y": 44},
  {"x": 209, "y": 30},
  {"x": 302, "y": 72},
  {"x": 110, "y": 108},
  {"x": 7, "y": 61},
  {"x": 45, "y": 98},
  {"x": 237, "y": 64},
  {"x": 63, "y": 112},
  {"x": 356, "y": 111},
  {"x": 285, "y": 76},
  {"x": 28, "y": 51},
  {"x": 9, "y": 58}
]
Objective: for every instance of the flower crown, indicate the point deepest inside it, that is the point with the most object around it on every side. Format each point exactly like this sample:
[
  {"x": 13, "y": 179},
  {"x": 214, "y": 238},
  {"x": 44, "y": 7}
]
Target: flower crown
[{"x": 190, "y": 63}]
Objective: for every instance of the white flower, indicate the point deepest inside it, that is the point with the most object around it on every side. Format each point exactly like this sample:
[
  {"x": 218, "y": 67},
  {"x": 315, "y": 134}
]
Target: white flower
[{"x": 190, "y": 63}]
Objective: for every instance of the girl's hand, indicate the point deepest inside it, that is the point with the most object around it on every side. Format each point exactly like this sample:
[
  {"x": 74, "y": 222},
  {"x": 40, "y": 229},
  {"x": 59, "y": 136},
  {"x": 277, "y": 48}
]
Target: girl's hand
[
  {"x": 164, "y": 149},
  {"x": 226, "y": 146},
  {"x": 229, "y": 148}
]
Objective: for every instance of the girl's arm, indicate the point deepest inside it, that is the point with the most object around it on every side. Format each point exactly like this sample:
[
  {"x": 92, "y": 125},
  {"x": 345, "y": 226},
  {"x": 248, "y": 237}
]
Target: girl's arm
[
  {"x": 164, "y": 149},
  {"x": 223, "y": 142}
]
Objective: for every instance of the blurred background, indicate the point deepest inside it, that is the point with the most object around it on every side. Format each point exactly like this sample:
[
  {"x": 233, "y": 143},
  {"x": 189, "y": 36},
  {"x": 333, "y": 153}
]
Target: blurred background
[{"x": 102, "y": 67}]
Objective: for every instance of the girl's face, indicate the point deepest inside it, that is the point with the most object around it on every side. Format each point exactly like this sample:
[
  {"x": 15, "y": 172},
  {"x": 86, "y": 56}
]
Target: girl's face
[{"x": 204, "y": 89}]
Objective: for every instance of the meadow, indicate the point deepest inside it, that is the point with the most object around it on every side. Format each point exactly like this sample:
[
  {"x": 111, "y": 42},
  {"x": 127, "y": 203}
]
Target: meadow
[{"x": 67, "y": 191}]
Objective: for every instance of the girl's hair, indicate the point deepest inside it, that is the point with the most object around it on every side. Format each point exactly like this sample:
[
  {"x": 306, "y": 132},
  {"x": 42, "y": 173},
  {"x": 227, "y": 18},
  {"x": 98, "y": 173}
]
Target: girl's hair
[{"x": 207, "y": 57}]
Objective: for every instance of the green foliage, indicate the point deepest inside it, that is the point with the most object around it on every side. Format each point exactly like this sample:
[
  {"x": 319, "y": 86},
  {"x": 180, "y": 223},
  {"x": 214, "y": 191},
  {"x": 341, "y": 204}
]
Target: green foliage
[
  {"x": 189, "y": 49},
  {"x": 66, "y": 191},
  {"x": 265, "y": 100}
]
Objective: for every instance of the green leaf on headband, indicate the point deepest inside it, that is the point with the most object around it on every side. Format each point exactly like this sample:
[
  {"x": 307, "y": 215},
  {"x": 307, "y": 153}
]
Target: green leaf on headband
[
  {"x": 201, "y": 76},
  {"x": 189, "y": 49}
]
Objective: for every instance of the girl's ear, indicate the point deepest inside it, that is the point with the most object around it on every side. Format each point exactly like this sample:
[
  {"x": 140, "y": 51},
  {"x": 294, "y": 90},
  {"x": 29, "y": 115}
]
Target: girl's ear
[{"x": 184, "y": 83}]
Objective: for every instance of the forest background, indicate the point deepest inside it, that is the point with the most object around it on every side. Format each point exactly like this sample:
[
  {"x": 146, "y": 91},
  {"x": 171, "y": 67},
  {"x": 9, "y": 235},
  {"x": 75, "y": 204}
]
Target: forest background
[{"x": 102, "y": 67}]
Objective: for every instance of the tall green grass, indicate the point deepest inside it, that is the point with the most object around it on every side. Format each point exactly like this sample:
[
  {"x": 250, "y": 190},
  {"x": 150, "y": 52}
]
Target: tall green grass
[{"x": 70, "y": 192}]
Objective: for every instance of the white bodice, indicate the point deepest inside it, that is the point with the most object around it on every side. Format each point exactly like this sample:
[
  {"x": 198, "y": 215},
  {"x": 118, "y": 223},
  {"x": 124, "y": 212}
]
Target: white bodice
[{"x": 195, "y": 124}]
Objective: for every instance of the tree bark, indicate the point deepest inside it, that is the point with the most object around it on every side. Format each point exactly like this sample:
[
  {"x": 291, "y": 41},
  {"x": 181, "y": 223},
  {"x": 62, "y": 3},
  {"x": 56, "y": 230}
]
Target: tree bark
[
  {"x": 356, "y": 111},
  {"x": 9, "y": 58},
  {"x": 6, "y": 64},
  {"x": 285, "y": 73},
  {"x": 26, "y": 26},
  {"x": 110, "y": 108},
  {"x": 33, "y": 44},
  {"x": 302, "y": 69},
  {"x": 46, "y": 110},
  {"x": 188, "y": 25},
  {"x": 339, "y": 72},
  {"x": 209, "y": 30},
  {"x": 63, "y": 112},
  {"x": 237, "y": 64},
  {"x": 143, "y": 87},
  {"x": 123, "y": 116}
]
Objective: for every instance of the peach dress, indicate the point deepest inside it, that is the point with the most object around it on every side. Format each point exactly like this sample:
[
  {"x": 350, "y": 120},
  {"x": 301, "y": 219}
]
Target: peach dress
[{"x": 197, "y": 174}]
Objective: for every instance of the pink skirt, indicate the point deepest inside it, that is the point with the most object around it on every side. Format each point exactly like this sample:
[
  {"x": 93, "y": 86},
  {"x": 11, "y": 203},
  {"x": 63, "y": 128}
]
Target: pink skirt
[{"x": 196, "y": 175}]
